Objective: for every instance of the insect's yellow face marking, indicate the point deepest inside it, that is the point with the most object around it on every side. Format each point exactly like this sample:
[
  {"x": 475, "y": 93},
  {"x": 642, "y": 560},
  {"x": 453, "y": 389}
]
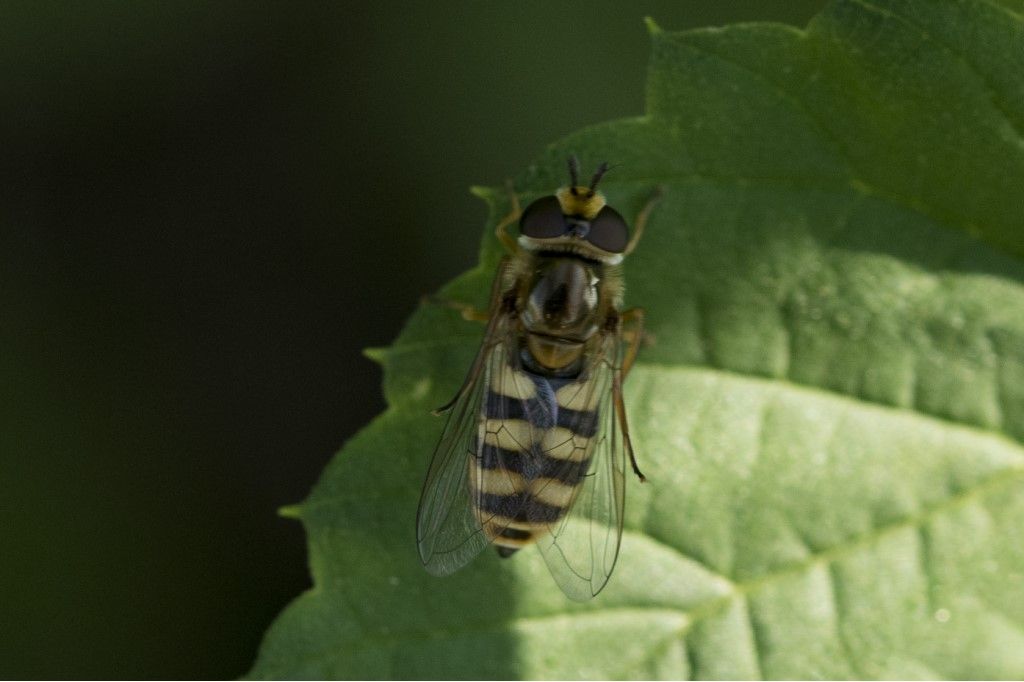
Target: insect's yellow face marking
[{"x": 585, "y": 202}]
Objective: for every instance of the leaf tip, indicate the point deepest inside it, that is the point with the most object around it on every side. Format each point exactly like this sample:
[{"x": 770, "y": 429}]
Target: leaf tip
[
  {"x": 290, "y": 511},
  {"x": 377, "y": 354},
  {"x": 652, "y": 26}
]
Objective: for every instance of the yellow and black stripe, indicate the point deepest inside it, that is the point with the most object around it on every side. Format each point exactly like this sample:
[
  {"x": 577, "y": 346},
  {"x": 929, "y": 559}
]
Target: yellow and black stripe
[{"x": 537, "y": 436}]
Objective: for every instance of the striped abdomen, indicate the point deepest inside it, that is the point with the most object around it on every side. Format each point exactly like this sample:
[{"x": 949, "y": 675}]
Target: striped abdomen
[{"x": 537, "y": 435}]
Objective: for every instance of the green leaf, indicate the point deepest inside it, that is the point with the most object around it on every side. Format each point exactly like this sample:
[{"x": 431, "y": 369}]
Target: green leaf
[{"x": 831, "y": 417}]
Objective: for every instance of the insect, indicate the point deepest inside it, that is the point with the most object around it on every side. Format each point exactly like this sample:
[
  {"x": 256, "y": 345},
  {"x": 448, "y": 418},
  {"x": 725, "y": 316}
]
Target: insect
[{"x": 536, "y": 441}]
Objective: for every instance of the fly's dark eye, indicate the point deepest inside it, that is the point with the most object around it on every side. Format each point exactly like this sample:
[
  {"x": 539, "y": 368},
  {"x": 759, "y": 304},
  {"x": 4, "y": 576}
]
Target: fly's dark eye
[
  {"x": 543, "y": 219},
  {"x": 608, "y": 231}
]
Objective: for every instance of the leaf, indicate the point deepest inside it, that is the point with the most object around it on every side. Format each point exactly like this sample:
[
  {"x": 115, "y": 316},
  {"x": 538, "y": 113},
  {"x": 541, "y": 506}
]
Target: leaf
[{"x": 831, "y": 417}]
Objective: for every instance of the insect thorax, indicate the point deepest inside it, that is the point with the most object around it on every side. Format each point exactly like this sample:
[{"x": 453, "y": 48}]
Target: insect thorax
[{"x": 563, "y": 300}]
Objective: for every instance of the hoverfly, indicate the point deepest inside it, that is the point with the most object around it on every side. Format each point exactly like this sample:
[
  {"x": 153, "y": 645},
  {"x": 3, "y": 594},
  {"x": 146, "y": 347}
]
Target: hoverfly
[{"x": 535, "y": 445}]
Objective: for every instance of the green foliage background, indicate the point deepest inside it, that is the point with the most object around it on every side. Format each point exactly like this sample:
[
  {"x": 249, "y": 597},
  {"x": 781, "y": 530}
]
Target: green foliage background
[{"x": 831, "y": 417}]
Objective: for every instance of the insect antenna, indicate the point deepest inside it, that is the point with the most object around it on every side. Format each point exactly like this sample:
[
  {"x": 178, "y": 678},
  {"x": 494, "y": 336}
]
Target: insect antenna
[
  {"x": 574, "y": 170},
  {"x": 601, "y": 170}
]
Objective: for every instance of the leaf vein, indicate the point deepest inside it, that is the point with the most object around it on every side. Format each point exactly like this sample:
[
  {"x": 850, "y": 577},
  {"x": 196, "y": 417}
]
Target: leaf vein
[
  {"x": 969, "y": 495},
  {"x": 998, "y": 101},
  {"x": 756, "y": 636},
  {"x": 989, "y": 432},
  {"x": 834, "y": 579},
  {"x": 857, "y": 178},
  {"x": 1016, "y": 16}
]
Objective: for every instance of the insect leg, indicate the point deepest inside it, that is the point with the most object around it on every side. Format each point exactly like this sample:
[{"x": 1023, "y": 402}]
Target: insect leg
[
  {"x": 634, "y": 336},
  {"x": 501, "y": 229},
  {"x": 641, "y": 219},
  {"x": 493, "y": 315},
  {"x": 620, "y": 411},
  {"x": 468, "y": 311}
]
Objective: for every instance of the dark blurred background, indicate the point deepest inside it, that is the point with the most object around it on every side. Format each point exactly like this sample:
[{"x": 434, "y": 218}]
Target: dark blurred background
[{"x": 206, "y": 211}]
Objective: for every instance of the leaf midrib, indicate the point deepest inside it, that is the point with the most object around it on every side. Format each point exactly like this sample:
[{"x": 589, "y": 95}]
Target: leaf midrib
[{"x": 710, "y": 607}]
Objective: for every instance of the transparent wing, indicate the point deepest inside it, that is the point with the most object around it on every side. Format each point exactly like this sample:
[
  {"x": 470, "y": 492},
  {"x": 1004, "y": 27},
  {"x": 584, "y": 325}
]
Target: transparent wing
[
  {"x": 478, "y": 455},
  {"x": 581, "y": 548}
]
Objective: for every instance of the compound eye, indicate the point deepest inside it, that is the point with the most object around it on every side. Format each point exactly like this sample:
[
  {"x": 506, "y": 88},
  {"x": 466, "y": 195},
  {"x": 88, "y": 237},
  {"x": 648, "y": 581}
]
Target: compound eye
[
  {"x": 543, "y": 219},
  {"x": 608, "y": 231}
]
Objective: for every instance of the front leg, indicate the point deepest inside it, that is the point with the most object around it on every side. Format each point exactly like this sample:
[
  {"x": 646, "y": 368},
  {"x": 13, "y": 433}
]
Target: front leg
[
  {"x": 632, "y": 322},
  {"x": 628, "y": 326},
  {"x": 496, "y": 309},
  {"x": 468, "y": 311},
  {"x": 501, "y": 229}
]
